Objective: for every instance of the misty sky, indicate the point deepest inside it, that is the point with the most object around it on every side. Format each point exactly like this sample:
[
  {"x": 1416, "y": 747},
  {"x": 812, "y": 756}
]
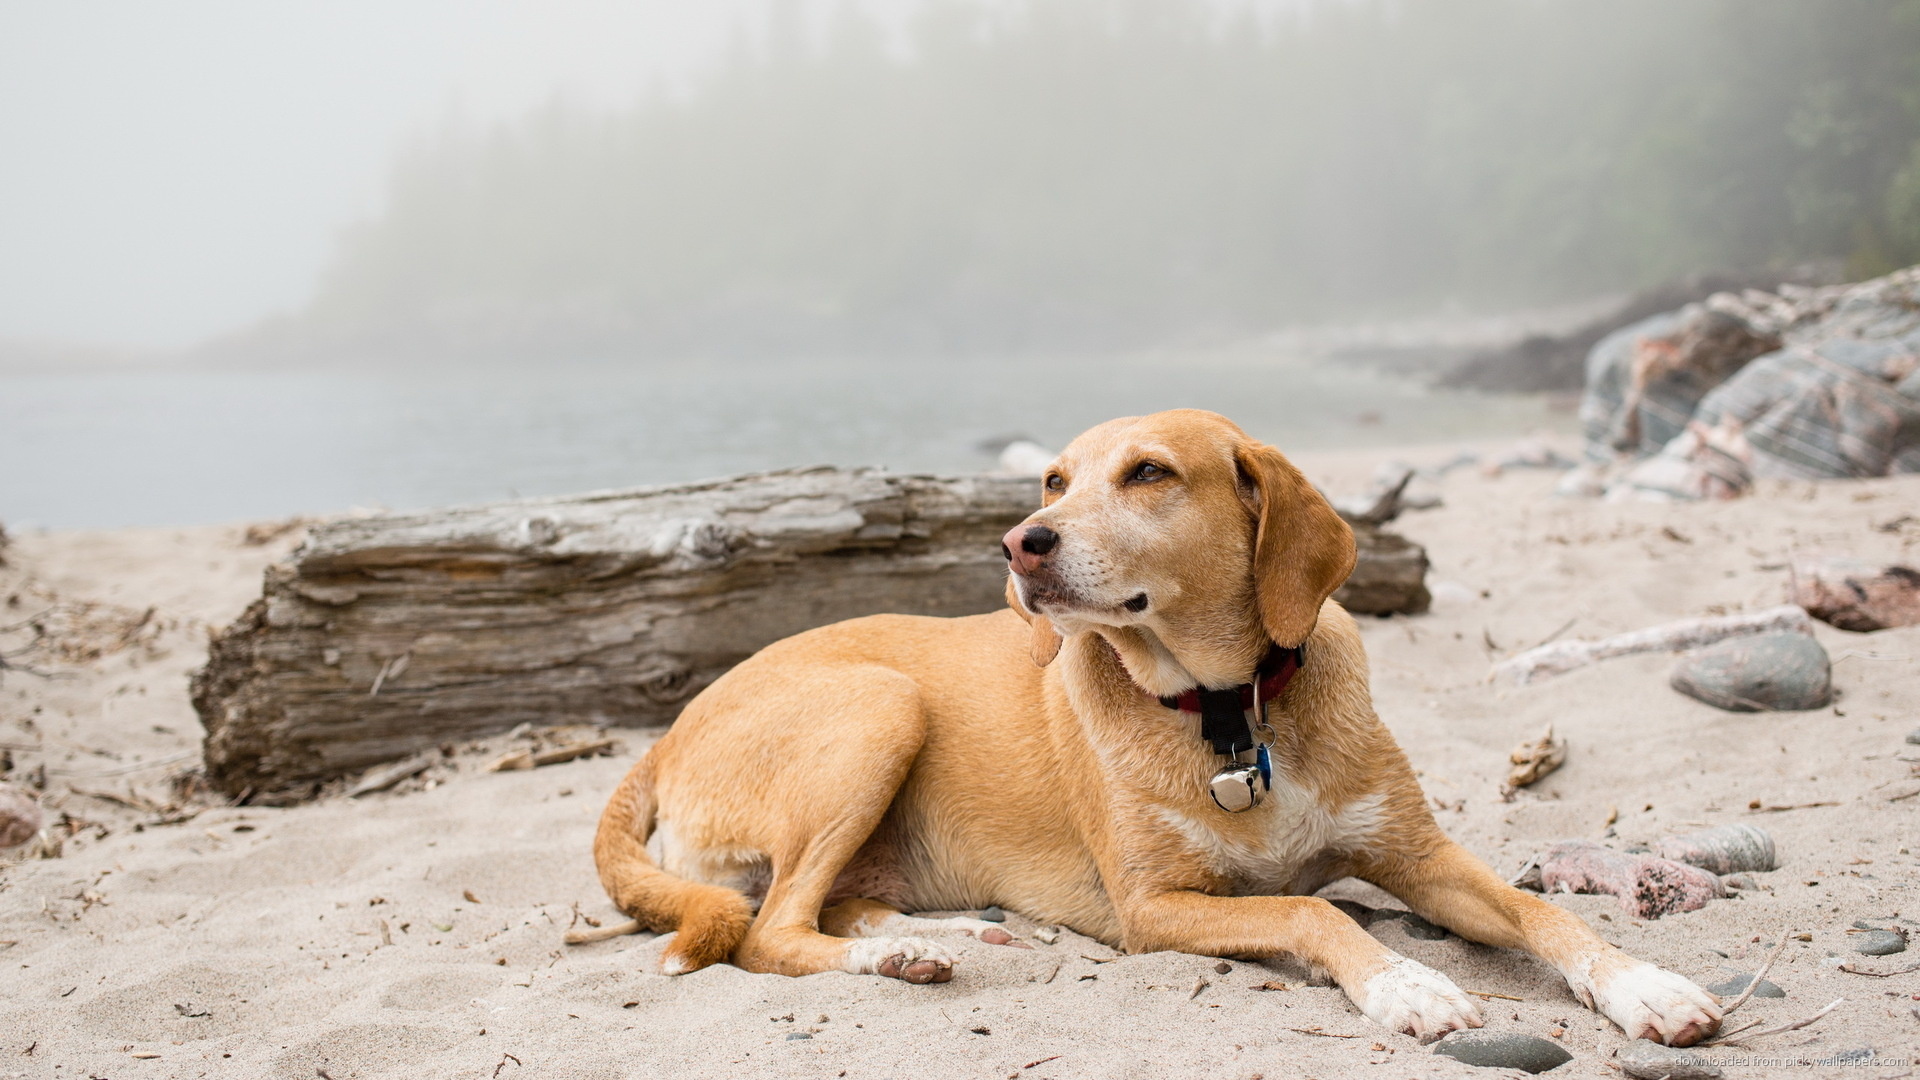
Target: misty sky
[{"x": 172, "y": 170}]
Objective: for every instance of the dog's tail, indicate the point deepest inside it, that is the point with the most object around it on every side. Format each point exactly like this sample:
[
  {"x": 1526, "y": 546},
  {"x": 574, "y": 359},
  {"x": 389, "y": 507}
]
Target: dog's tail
[{"x": 711, "y": 919}]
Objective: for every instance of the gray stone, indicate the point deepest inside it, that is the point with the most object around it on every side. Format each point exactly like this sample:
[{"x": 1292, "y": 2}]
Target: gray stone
[
  {"x": 1644, "y": 1060},
  {"x": 1852, "y": 1055},
  {"x": 1759, "y": 673},
  {"x": 1528, "y": 1053},
  {"x": 1879, "y": 942},
  {"x": 793, "y": 1036},
  {"x": 1913, "y": 737},
  {"x": 1737, "y": 985},
  {"x": 1724, "y": 849},
  {"x": 1740, "y": 882},
  {"x": 994, "y": 914}
]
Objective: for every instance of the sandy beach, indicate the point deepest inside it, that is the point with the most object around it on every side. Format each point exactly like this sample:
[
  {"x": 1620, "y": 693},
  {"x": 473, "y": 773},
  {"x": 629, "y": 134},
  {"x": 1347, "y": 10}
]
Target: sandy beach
[{"x": 417, "y": 932}]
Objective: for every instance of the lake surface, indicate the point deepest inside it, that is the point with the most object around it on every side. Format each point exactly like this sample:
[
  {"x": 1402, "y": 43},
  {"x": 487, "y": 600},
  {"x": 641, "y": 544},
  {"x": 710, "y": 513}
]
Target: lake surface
[{"x": 119, "y": 448}]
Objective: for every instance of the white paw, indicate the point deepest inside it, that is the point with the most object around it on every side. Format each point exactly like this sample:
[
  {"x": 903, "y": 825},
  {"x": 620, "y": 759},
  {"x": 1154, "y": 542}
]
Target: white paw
[
  {"x": 1416, "y": 1000},
  {"x": 915, "y": 960},
  {"x": 1647, "y": 1002}
]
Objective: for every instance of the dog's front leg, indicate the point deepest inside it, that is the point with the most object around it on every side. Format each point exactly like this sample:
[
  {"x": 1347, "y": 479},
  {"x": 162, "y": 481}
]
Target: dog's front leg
[
  {"x": 1454, "y": 889},
  {"x": 1390, "y": 989}
]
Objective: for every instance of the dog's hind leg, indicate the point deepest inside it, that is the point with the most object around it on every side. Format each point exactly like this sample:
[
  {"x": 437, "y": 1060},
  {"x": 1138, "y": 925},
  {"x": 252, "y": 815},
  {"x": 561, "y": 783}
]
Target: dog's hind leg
[
  {"x": 834, "y": 792},
  {"x": 870, "y": 918}
]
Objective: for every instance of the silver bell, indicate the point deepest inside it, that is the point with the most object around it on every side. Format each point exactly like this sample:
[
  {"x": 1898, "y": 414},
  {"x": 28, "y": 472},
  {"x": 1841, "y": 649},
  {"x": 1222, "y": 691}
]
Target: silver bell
[{"x": 1236, "y": 788}]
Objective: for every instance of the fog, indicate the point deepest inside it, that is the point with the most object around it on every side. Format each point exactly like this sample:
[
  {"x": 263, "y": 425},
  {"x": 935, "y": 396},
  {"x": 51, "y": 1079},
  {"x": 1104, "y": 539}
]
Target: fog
[
  {"x": 400, "y": 179},
  {"x": 174, "y": 171},
  {"x": 274, "y": 258}
]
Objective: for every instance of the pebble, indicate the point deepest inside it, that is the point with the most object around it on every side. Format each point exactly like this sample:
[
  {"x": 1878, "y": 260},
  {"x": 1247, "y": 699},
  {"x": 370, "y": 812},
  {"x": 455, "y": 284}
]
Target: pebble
[
  {"x": 1740, "y": 882},
  {"x": 1528, "y": 1053},
  {"x": 1733, "y": 987},
  {"x": 796, "y": 1035},
  {"x": 1724, "y": 849},
  {"x": 19, "y": 816},
  {"x": 1223, "y": 968},
  {"x": 1758, "y": 673},
  {"x": 1645, "y": 1060},
  {"x": 1879, "y": 943},
  {"x": 994, "y": 914},
  {"x": 1913, "y": 737}
]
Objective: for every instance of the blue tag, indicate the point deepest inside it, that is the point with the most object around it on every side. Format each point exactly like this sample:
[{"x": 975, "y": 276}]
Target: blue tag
[{"x": 1265, "y": 764}]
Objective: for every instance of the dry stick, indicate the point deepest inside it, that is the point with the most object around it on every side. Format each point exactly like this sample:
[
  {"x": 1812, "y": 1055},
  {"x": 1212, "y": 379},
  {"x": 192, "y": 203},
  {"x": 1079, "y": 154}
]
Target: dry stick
[
  {"x": 1797, "y": 1024},
  {"x": 1851, "y": 970},
  {"x": 604, "y": 933},
  {"x": 1323, "y": 1034},
  {"x": 1502, "y": 997},
  {"x": 1785, "y": 936}
]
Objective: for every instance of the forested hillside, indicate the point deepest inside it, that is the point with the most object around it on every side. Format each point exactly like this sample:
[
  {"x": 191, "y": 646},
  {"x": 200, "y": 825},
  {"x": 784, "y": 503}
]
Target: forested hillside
[{"x": 1093, "y": 173}]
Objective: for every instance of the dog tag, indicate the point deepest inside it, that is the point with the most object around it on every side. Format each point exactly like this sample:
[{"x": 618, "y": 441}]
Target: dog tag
[{"x": 1236, "y": 788}]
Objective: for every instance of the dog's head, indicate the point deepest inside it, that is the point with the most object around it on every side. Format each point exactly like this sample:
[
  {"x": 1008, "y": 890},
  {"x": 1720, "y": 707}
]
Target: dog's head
[{"x": 1184, "y": 538}]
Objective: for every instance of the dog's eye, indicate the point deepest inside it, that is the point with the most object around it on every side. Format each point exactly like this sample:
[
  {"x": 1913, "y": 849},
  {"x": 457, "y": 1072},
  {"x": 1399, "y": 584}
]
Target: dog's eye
[
  {"x": 1056, "y": 482},
  {"x": 1146, "y": 470}
]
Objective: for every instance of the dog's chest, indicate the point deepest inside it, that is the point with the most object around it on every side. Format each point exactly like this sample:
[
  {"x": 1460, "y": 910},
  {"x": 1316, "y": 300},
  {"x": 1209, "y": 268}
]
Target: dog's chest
[{"x": 1283, "y": 845}]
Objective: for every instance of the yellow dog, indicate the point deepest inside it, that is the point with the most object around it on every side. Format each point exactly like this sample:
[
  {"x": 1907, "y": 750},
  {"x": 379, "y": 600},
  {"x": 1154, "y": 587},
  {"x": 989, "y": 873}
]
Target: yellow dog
[{"x": 1076, "y": 759}]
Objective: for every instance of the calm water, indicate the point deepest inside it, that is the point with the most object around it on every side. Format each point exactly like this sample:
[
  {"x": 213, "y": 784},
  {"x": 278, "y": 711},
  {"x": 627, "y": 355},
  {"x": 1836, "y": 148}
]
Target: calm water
[{"x": 102, "y": 450}]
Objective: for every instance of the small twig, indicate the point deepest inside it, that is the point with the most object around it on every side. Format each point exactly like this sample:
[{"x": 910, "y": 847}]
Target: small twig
[
  {"x": 1851, "y": 970},
  {"x": 1792, "y": 806},
  {"x": 1785, "y": 936},
  {"x": 1042, "y": 1061},
  {"x": 1725, "y": 1035},
  {"x": 1798, "y": 1024},
  {"x": 1502, "y": 997},
  {"x": 1099, "y": 960},
  {"x": 604, "y": 933},
  {"x": 526, "y": 759},
  {"x": 1908, "y": 795},
  {"x": 1322, "y": 1034},
  {"x": 1199, "y": 984}
]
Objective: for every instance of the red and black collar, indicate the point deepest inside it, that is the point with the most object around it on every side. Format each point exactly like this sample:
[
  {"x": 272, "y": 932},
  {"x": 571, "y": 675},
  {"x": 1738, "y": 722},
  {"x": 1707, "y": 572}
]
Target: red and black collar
[{"x": 1223, "y": 713}]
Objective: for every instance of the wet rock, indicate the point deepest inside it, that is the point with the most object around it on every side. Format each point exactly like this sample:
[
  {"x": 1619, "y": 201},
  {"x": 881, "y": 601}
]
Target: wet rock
[
  {"x": 1879, "y": 942},
  {"x": 994, "y": 914},
  {"x": 1760, "y": 673},
  {"x": 1645, "y": 1060},
  {"x": 1734, "y": 987},
  {"x": 1528, "y": 1053},
  {"x": 1725, "y": 849},
  {"x": 20, "y": 818}
]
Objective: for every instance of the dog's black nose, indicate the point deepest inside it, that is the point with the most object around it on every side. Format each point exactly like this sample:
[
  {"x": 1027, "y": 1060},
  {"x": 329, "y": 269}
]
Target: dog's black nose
[{"x": 1039, "y": 540}]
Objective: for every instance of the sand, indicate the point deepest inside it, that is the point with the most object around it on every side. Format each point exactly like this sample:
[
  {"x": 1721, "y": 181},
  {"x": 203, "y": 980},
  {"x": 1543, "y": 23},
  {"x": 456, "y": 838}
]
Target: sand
[{"x": 417, "y": 932}]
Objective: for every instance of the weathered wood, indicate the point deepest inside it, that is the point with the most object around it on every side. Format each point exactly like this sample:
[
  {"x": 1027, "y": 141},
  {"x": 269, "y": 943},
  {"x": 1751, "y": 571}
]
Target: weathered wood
[{"x": 385, "y": 635}]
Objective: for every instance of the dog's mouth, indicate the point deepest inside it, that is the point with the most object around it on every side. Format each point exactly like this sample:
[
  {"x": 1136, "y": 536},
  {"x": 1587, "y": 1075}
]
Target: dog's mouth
[{"x": 1050, "y": 598}]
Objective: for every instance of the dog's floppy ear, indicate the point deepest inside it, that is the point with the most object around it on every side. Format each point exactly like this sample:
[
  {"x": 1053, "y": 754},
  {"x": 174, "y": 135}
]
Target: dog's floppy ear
[
  {"x": 1302, "y": 550},
  {"x": 1045, "y": 644}
]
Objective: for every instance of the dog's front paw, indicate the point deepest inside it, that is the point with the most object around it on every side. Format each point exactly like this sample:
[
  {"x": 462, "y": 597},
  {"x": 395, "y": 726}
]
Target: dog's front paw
[
  {"x": 1648, "y": 1002},
  {"x": 914, "y": 960},
  {"x": 1416, "y": 1000}
]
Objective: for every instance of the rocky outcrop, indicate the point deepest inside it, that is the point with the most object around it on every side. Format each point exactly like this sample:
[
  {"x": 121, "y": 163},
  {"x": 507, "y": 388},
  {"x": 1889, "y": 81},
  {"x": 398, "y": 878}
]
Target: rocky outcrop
[{"x": 1804, "y": 384}]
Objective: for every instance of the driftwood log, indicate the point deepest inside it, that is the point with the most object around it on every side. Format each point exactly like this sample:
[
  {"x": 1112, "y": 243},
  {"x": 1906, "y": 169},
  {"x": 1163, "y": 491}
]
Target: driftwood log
[{"x": 382, "y": 636}]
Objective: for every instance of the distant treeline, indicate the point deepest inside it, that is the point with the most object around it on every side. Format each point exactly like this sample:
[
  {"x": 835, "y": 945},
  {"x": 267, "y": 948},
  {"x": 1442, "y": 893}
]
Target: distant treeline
[{"x": 1091, "y": 173}]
